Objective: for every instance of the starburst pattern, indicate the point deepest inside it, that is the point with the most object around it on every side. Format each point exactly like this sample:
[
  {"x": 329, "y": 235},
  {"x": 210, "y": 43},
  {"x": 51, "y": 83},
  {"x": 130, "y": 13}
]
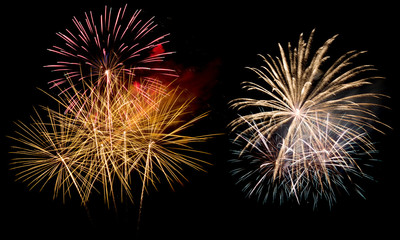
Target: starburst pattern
[
  {"x": 112, "y": 41},
  {"x": 310, "y": 123},
  {"x": 107, "y": 136}
]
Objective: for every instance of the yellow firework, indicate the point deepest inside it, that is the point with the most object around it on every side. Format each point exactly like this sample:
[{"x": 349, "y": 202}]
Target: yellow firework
[
  {"x": 314, "y": 117},
  {"x": 43, "y": 154},
  {"x": 106, "y": 135}
]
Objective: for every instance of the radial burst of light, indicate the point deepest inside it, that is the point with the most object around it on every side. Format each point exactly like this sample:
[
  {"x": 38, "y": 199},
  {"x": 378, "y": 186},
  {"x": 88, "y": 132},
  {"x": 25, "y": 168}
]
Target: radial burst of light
[
  {"x": 109, "y": 138},
  {"x": 303, "y": 138},
  {"x": 113, "y": 41}
]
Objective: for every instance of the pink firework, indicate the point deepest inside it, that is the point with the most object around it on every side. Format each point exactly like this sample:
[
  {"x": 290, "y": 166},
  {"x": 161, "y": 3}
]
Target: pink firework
[{"x": 115, "y": 42}]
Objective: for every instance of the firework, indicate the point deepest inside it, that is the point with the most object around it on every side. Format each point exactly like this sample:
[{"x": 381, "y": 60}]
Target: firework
[
  {"x": 306, "y": 133},
  {"x": 109, "y": 135},
  {"x": 305, "y": 176},
  {"x": 112, "y": 41},
  {"x": 42, "y": 155}
]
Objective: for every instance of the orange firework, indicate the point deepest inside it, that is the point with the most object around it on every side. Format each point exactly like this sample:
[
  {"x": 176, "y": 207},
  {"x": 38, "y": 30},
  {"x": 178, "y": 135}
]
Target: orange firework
[{"x": 108, "y": 135}]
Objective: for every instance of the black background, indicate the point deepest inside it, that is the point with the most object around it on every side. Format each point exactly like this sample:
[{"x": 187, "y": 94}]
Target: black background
[{"x": 209, "y": 205}]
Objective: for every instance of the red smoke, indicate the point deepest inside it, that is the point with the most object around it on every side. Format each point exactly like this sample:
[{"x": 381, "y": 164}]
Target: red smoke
[
  {"x": 196, "y": 81},
  {"x": 199, "y": 81},
  {"x": 158, "y": 49}
]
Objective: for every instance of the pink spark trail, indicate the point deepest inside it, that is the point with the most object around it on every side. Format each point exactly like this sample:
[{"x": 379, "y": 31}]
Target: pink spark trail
[{"x": 116, "y": 42}]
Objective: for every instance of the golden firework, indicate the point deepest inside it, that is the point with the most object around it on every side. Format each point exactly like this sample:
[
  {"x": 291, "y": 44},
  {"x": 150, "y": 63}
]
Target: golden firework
[{"x": 106, "y": 135}]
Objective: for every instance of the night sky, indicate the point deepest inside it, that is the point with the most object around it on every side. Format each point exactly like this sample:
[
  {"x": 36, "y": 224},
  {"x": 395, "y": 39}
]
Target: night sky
[{"x": 217, "y": 41}]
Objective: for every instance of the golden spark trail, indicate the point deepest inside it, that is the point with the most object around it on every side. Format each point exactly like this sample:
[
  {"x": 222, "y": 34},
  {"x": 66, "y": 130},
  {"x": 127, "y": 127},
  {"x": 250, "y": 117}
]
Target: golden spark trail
[
  {"x": 110, "y": 134},
  {"x": 145, "y": 179}
]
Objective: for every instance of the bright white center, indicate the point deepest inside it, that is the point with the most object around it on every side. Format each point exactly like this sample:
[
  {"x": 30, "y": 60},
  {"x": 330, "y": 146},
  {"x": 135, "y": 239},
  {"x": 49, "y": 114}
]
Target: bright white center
[{"x": 297, "y": 112}]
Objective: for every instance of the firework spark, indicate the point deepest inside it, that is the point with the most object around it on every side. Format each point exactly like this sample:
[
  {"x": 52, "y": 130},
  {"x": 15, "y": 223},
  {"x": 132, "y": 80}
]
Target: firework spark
[
  {"x": 109, "y": 135},
  {"x": 44, "y": 156},
  {"x": 307, "y": 131},
  {"x": 111, "y": 41}
]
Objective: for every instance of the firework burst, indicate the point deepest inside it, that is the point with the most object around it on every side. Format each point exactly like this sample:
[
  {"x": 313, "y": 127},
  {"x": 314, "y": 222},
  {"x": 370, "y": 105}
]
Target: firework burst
[
  {"x": 112, "y": 41},
  {"x": 108, "y": 135},
  {"x": 305, "y": 134},
  {"x": 43, "y": 155}
]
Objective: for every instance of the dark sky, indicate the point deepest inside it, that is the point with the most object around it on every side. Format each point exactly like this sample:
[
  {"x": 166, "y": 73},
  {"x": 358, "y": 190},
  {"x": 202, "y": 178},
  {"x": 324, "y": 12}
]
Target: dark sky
[{"x": 209, "y": 205}]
